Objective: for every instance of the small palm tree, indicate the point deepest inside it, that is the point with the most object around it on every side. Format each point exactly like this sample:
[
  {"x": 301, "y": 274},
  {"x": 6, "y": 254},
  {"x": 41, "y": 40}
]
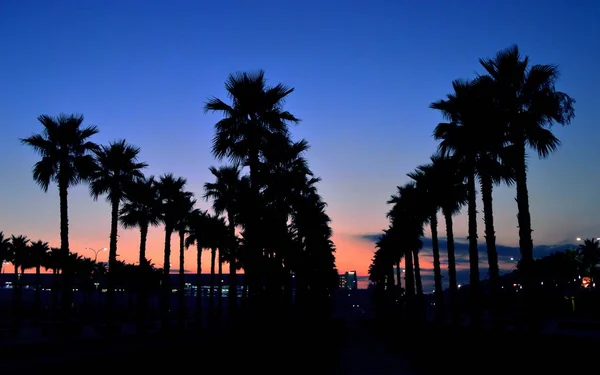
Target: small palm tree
[
  {"x": 198, "y": 235},
  {"x": 141, "y": 210},
  {"x": 37, "y": 255},
  {"x": 19, "y": 251},
  {"x": 67, "y": 160},
  {"x": 589, "y": 252}
]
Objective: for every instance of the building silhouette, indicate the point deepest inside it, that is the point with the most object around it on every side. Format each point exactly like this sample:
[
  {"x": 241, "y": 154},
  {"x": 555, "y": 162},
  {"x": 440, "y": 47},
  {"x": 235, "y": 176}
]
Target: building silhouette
[{"x": 349, "y": 281}]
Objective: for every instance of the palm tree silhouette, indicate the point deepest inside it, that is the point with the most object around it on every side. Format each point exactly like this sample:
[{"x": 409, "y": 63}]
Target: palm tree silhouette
[
  {"x": 117, "y": 168},
  {"x": 225, "y": 195},
  {"x": 530, "y": 105},
  {"x": 255, "y": 113},
  {"x": 141, "y": 210},
  {"x": 170, "y": 193},
  {"x": 37, "y": 254},
  {"x": 198, "y": 235},
  {"x": 185, "y": 206},
  {"x": 466, "y": 112},
  {"x": 67, "y": 160}
]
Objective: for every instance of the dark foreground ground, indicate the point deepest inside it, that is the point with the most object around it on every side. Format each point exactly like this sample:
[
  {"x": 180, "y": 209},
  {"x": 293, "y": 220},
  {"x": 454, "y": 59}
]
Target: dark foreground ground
[{"x": 368, "y": 347}]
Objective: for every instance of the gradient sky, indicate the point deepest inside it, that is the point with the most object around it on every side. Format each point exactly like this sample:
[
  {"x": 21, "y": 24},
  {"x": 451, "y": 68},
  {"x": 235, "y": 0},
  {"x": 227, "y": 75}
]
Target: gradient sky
[{"x": 364, "y": 72}]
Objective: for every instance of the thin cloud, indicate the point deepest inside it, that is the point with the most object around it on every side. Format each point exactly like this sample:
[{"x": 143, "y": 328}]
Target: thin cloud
[{"x": 507, "y": 258}]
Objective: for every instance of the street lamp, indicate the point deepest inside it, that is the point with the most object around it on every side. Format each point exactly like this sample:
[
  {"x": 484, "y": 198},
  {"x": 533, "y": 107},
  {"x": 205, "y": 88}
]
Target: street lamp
[{"x": 96, "y": 252}]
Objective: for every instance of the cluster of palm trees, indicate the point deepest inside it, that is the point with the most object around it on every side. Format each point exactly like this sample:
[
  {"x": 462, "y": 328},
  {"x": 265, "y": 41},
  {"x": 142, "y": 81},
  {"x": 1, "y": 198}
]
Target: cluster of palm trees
[
  {"x": 87, "y": 274},
  {"x": 270, "y": 222},
  {"x": 492, "y": 122}
]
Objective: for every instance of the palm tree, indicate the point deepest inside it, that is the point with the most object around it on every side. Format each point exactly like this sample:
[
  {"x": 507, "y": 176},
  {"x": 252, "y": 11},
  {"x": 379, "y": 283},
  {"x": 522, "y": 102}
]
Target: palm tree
[
  {"x": 141, "y": 210},
  {"x": 38, "y": 252},
  {"x": 530, "y": 105},
  {"x": 67, "y": 160},
  {"x": 452, "y": 198},
  {"x": 225, "y": 195},
  {"x": 4, "y": 250},
  {"x": 217, "y": 233},
  {"x": 407, "y": 217},
  {"x": 19, "y": 251},
  {"x": 53, "y": 261},
  {"x": 466, "y": 116},
  {"x": 117, "y": 168},
  {"x": 386, "y": 255},
  {"x": 255, "y": 113},
  {"x": 185, "y": 206},
  {"x": 589, "y": 252},
  {"x": 198, "y": 235},
  {"x": 170, "y": 193},
  {"x": 426, "y": 178}
]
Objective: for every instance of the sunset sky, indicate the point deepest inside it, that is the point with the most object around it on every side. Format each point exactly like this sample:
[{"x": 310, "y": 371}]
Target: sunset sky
[{"x": 364, "y": 72}]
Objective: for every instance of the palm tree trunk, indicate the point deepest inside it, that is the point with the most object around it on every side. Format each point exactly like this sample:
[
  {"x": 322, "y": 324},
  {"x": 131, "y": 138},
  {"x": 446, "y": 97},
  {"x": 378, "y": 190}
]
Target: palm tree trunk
[
  {"x": 398, "y": 279},
  {"x": 112, "y": 262},
  {"x": 473, "y": 251},
  {"x": 410, "y": 284},
  {"x": 437, "y": 270},
  {"x": 16, "y": 312},
  {"x": 420, "y": 310},
  {"x": 524, "y": 222},
  {"x": 199, "y": 286},
  {"x": 143, "y": 240},
  {"x": 142, "y": 302},
  {"x": 490, "y": 236},
  {"x": 181, "y": 288},
  {"x": 417, "y": 269},
  {"x": 220, "y": 288},
  {"x": 451, "y": 265},
  {"x": 55, "y": 286},
  {"x": 66, "y": 290},
  {"x": 37, "y": 300},
  {"x": 165, "y": 300},
  {"x": 232, "y": 295},
  {"x": 254, "y": 279},
  {"x": 211, "y": 296}
]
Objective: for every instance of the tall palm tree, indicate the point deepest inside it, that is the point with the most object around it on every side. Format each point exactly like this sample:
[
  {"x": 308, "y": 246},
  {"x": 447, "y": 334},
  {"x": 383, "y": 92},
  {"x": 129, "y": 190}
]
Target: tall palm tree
[
  {"x": 170, "y": 193},
  {"x": 452, "y": 198},
  {"x": 141, "y": 210},
  {"x": 67, "y": 160},
  {"x": 426, "y": 178},
  {"x": 466, "y": 117},
  {"x": 225, "y": 196},
  {"x": 255, "y": 113},
  {"x": 407, "y": 217},
  {"x": 117, "y": 168},
  {"x": 530, "y": 104}
]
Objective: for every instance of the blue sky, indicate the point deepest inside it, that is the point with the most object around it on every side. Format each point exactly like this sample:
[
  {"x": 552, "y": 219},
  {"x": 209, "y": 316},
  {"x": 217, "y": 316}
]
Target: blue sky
[{"x": 364, "y": 72}]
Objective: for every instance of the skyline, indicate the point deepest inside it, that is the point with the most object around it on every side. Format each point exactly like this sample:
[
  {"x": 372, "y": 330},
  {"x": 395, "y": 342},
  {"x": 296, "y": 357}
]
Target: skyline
[{"x": 339, "y": 99}]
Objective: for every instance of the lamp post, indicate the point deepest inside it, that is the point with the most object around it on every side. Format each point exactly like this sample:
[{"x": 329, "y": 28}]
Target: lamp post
[{"x": 96, "y": 252}]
